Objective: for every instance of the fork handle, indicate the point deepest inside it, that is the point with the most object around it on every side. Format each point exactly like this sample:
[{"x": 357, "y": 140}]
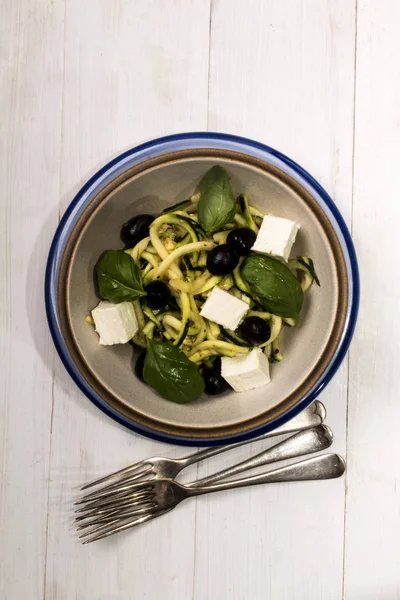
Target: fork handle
[
  {"x": 304, "y": 442},
  {"x": 326, "y": 466},
  {"x": 312, "y": 416}
]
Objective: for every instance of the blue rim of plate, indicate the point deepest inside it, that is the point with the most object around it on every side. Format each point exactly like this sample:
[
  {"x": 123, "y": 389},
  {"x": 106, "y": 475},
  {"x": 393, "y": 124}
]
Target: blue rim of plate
[{"x": 173, "y": 143}]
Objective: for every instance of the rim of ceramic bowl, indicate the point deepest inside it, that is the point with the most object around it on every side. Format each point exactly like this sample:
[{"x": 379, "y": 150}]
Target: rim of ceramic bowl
[{"x": 175, "y": 143}]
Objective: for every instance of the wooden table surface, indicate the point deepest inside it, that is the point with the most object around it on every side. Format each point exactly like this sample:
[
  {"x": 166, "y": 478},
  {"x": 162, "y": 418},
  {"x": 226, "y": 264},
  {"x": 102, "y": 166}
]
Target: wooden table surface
[{"x": 80, "y": 82}]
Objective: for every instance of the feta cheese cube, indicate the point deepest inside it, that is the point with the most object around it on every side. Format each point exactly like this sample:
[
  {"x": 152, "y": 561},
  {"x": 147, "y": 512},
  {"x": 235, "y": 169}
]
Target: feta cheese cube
[
  {"x": 246, "y": 371},
  {"x": 115, "y": 323},
  {"x": 224, "y": 309},
  {"x": 276, "y": 236}
]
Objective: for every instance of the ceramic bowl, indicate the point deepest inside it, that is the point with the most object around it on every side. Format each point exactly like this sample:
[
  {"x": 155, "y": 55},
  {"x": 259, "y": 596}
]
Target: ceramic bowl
[{"x": 147, "y": 179}]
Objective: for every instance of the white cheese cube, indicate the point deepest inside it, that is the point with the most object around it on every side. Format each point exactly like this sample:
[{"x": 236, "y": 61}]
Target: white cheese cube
[
  {"x": 224, "y": 309},
  {"x": 246, "y": 371},
  {"x": 115, "y": 323},
  {"x": 276, "y": 236}
]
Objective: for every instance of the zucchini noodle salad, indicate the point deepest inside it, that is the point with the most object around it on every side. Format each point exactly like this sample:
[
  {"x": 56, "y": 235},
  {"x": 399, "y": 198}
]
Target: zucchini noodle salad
[{"x": 205, "y": 290}]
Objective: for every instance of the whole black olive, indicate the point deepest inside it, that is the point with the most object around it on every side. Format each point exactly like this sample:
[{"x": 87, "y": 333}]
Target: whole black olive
[
  {"x": 241, "y": 240},
  {"x": 139, "y": 364},
  {"x": 214, "y": 382},
  {"x": 222, "y": 260},
  {"x": 255, "y": 330},
  {"x": 216, "y": 364},
  {"x": 136, "y": 229},
  {"x": 158, "y": 295}
]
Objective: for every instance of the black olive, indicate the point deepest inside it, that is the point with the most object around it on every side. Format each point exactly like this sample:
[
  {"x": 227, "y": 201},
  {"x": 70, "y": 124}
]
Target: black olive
[
  {"x": 173, "y": 305},
  {"x": 214, "y": 382},
  {"x": 241, "y": 240},
  {"x": 158, "y": 295},
  {"x": 139, "y": 364},
  {"x": 222, "y": 260},
  {"x": 216, "y": 363},
  {"x": 255, "y": 330},
  {"x": 136, "y": 229}
]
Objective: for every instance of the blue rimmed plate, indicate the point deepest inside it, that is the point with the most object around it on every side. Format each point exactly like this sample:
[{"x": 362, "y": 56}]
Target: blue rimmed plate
[{"x": 146, "y": 179}]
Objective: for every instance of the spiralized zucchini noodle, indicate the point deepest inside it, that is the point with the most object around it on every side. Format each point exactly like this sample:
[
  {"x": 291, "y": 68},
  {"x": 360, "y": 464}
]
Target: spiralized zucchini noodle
[{"x": 176, "y": 253}]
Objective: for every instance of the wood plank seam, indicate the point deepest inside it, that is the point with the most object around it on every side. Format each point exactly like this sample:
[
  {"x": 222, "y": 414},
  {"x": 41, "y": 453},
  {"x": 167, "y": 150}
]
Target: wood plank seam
[
  {"x": 46, "y": 541},
  {"x": 53, "y": 365},
  {"x": 348, "y": 359}
]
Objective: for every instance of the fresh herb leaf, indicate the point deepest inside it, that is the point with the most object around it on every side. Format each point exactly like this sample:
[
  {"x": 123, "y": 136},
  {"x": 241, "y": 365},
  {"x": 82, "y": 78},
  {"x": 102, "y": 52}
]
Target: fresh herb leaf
[
  {"x": 118, "y": 277},
  {"x": 217, "y": 204},
  {"x": 273, "y": 283},
  {"x": 168, "y": 370}
]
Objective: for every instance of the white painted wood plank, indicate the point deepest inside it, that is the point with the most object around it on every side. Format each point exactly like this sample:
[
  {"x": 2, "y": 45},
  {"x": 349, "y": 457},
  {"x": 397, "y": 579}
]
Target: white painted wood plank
[
  {"x": 282, "y": 73},
  {"x": 372, "y": 558},
  {"x": 31, "y": 53},
  {"x": 133, "y": 70}
]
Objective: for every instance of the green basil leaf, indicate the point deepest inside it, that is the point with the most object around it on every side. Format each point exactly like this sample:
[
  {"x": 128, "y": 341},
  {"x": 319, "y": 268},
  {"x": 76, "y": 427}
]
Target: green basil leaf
[
  {"x": 168, "y": 370},
  {"x": 217, "y": 204},
  {"x": 273, "y": 283},
  {"x": 118, "y": 277}
]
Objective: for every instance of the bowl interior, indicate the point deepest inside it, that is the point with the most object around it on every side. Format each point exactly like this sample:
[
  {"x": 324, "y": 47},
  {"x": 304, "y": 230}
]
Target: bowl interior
[{"x": 307, "y": 348}]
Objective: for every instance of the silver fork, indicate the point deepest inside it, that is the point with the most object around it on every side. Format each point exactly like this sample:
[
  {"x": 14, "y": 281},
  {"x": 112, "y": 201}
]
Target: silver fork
[
  {"x": 155, "y": 498},
  {"x": 303, "y": 442},
  {"x": 112, "y": 505},
  {"x": 159, "y": 467}
]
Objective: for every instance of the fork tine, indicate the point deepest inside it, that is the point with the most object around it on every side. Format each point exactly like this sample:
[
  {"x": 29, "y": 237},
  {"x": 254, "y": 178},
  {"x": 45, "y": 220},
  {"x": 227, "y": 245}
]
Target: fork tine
[
  {"x": 114, "y": 475},
  {"x": 106, "y": 513},
  {"x": 100, "y": 513},
  {"x": 133, "y": 523},
  {"x": 106, "y": 527},
  {"x": 123, "y": 492},
  {"x": 116, "y": 503},
  {"x": 122, "y": 519},
  {"x": 125, "y": 484},
  {"x": 100, "y": 528},
  {"x": 111, "y": 508},
  {"x": 129, "y": 500},
  {"x": 137, "y": 488},
  {"x": 117, "y": 516},
  {"x": 122, "y": 480}
]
